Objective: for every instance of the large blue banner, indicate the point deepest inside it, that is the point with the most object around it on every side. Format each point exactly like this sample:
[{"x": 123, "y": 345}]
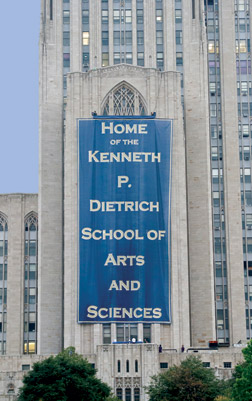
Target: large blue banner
[{"x": 124, "y": 220}]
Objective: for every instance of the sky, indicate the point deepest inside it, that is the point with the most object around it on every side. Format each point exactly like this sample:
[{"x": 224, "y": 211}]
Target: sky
[{"x": 19, "y": 30}]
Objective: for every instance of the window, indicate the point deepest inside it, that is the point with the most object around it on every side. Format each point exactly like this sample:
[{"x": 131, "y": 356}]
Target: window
[
  {"x": 179, "y": 38},
  {"x": 116, "y": 16},
  {"x": 160, "y": 60},
  {"x": 140, "y": 59},
  {"x": 85, "y": 59},
  {"x": 126, "y": 101},
  {"x": 107, "y": 333},
  {"x": 26, "y": 367},
  {"x": 159, "y": 37},
  {"x": 118, "y": 366},
  {"x": 247, "y": 175},
  {"x": 128, "y": 394},
  {"x": 29, "y": 348},
  {"x": 105, "y": 59},
  {"x": 248, "y": 198},
  {"x": 163, "y": 365},
  {"x": 126, "y": 332},
  {"x": 85, "y": 16},
  {"x": 104, "y": 16},
  {"x": 206, "y": 364},
  {"x": 193, "y": 9},
  {"x": 136, "y": 365},
  {"x": 178, "y": 16},
  {"x": 220, "y": 319},
  {"x": 129, "y": 58},
  {"x": 85, "y": 38},
  {"x": 128, "y": 37},
  {"x": 241, "y": 5},
  {"x": 117, "y": 38},
  {"x": 227, "y": 365},
  {"x": 219, "y": 293},
  {"x": 127, "y": 366},
  {"x": 3, "y": 280},
  {"x": 105, "y": 38},
  {"x": 66, "y": 38},
  {"x": 179, "y": 58},
  {"x": 159, "y": 15},
  {"x": 147, "y": 332},
  {"x": 140, "y": 37},
  {"x": 139, "y": 16},
  {"x": 211, "y": 46},
  {"x": 30, "y": 283},
  {"x": 66, "y": 59},
  {"x": 212, "y": 88},
  {"x": 51, "y": 10},
  {"x": 136, "y": 394},
  {"x": 128, "y": 16},
  {"x": 241, "y": 46},
  {"x": 66, "y": 17},
  {"x": 119, "y": 393},
  {"x": 213, "y": 110}
]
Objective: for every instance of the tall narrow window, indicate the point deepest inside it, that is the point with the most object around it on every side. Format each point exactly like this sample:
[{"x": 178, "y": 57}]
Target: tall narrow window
[
  {"x": 193, "y": 9},
  {"x": 3, "y": 281},
  {"x": 119, "y": 393},
  {"x": 127, "y": 366},
  {"x": 51, "y": 10},
  {"x": 107, "y": 333},
  {"x": 128, "y": 394},
  {"x": 136, "y": 394},
  {"x": 30, "y": 284}
]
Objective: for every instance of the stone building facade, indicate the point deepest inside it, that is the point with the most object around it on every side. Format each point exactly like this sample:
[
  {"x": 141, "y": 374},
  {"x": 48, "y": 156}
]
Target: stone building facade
[{"x": 188, "y": 61}]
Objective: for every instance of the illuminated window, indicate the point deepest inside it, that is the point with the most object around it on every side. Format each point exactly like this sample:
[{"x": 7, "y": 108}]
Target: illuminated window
[
  {"x": 104, "y": 16},
  {"x": 128, "y": 16},
  {"x": 116, "y": 16},
  {"x": 85, "y": 38},
  {"x": 241, "y": 5},
  {"x": 159, "y": 15},
  {"x": 29, "y": 348},
  {"x": 211, "y": 46},
  {"x": 105, "y": 59},
  {"x": 241, "y": 46}
]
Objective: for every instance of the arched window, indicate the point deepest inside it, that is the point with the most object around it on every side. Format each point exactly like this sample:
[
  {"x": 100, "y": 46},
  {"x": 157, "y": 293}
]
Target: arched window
[
  {"x": 124, "y": 100},
  {"x": 30, "y": 283},
  {"x": 3, "y": 280}
]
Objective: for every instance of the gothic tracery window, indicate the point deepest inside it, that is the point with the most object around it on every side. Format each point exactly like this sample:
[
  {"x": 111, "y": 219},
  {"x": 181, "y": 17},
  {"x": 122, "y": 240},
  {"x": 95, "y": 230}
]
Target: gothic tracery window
[
  {"x": 3, "y": 280},
  {"x": 124, "y": 100},
  {"x": 30, "y": 281}
]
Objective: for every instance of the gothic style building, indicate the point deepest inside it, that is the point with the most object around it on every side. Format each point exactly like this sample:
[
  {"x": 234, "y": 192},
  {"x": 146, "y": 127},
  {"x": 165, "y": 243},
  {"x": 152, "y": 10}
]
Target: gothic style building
[{"x": 185, "y": 60}]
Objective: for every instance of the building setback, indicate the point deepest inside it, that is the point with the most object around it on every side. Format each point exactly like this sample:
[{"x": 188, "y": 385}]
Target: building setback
[{"x": 188, "y": 61}]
